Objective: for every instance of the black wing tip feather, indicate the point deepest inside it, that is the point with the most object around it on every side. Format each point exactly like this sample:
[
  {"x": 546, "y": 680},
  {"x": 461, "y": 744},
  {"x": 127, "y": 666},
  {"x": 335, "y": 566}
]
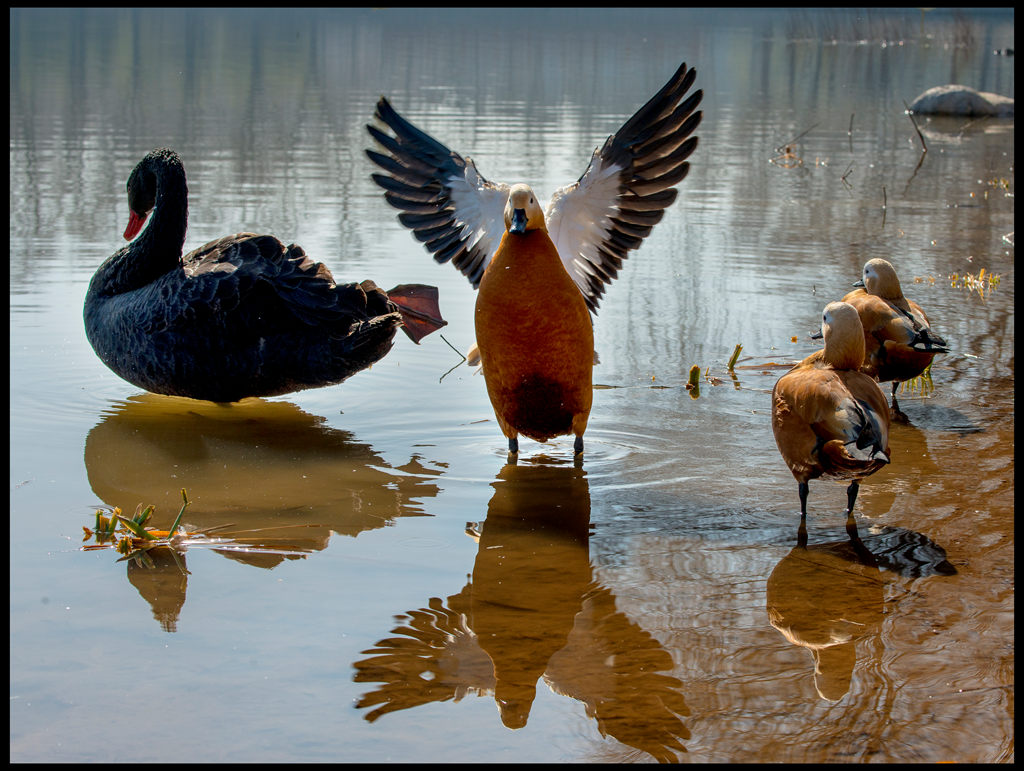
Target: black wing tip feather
[
  {"x": 417, "y": 168},
  {"x": 653, "y": 147}
]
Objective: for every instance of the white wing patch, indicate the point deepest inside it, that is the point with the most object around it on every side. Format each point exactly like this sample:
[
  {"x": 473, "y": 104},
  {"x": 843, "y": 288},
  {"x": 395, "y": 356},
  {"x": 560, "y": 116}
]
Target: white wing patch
[
  {"x": 579, "y": 220},
  {"x": 594, "y": 223},
  {"x": 479, "y": 209}
]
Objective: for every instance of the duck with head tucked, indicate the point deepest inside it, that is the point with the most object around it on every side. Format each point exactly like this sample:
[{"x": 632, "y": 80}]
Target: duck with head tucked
[
  {"x": 242, "y": 316},
  {"x": 830, "y": 419},
  {"x": 540, "y": 269},
  {"x": 899, "y": 341}
]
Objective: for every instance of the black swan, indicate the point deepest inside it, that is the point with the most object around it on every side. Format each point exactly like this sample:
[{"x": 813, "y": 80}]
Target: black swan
[{"x": 242, "y": 316}]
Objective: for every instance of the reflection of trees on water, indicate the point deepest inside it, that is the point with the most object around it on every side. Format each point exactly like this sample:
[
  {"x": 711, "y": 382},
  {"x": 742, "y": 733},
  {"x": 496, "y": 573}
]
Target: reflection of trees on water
[
  {"x": 273, "y": 481},
  {"x": 533, "y": 610},
  {"x": 827, "y": 597}
]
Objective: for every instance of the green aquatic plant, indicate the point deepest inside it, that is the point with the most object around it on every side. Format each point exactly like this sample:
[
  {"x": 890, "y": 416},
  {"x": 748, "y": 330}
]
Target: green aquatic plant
[
  {"x": 735, "y": 355},
  {"x": 129, "y": 535},
  {"x": 134, "y": 540}
]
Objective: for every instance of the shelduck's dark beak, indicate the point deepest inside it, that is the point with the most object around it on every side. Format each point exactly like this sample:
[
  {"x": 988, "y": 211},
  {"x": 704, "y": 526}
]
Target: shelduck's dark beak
[{"x": 518, "y": 222}]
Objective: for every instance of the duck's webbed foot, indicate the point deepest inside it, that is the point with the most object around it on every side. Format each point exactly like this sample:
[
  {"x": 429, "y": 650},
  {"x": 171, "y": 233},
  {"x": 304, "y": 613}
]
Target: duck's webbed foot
[{"x": 895, "y": 414}]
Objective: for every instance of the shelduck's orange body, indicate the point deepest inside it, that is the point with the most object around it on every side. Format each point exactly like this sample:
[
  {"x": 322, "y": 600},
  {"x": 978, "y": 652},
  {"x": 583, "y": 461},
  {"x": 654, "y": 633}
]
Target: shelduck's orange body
[
  {"x": 899, "y": 342},
  {"x": 534, "y": 332},
  {"x": 830, "y": 419}
]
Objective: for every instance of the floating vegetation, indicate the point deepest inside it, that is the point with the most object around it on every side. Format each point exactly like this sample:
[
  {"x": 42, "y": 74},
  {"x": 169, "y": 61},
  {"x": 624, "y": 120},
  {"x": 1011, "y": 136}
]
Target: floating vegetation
[
  {"x": 131, "y": 538},
  {"x": 982, "y": 283},
  {"x": 921, "y": 385},
  {"x": 715, "y": 380},
  {"x": 787, "y": 157},
  {"x": 693, "y": 384},
  {"x": 1001, "y": 183},
  {"x": 694, "y": 376},
  {"x": 735, "y": 355}
]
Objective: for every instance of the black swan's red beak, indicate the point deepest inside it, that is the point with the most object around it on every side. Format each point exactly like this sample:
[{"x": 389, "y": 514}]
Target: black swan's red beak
[{"x": 135, "y": 223}]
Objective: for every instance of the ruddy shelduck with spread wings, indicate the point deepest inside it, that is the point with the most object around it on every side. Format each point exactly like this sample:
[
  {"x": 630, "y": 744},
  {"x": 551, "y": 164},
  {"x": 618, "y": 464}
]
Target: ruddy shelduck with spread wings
[{"x": 539, "y": 269}]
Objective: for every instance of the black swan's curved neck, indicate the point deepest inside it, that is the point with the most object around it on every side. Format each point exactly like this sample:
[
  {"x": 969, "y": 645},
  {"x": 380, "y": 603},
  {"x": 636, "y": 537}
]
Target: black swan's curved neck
[{"x": 158, "y": 249}]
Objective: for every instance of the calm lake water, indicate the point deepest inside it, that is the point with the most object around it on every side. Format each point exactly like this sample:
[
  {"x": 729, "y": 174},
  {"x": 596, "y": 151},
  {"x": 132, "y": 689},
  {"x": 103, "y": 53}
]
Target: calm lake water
[{"x": 386, "y": 587}]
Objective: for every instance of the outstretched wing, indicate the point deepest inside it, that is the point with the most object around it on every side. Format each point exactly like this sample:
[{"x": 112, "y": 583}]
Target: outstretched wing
[
  {"x": 626, "y": 188},
  {"x": 448, "y": 205}
]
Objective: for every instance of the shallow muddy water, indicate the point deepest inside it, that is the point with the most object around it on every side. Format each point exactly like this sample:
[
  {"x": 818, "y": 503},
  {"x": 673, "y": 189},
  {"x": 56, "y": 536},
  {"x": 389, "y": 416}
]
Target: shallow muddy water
[{"x": 379, "y": 583}]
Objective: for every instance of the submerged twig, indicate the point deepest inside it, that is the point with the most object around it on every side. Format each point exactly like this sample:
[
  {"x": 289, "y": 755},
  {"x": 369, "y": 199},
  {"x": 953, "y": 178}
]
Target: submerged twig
[
  {"x": 459, "y": 364},
  {"x": 917, "y": 168},
  {"x": 845, "y": 181},
  {"x": 910, "y": 114},
  {"x": 461, "y": 354},
  {"x": 784, "y": 145},
  {"x": 924, "y": 146}
]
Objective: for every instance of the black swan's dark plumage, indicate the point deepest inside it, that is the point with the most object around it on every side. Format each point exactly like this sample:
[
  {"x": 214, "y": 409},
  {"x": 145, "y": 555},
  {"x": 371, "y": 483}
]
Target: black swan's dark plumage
[{"x": 242, "y": 316}]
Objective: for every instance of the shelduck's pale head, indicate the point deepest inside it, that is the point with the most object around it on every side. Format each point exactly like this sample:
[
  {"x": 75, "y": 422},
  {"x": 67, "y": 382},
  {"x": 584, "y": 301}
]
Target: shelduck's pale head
[
  {"x": 523, "y": 212},
  {"x": 879, "y": 279},
  {"x": 844, "y": 336}
]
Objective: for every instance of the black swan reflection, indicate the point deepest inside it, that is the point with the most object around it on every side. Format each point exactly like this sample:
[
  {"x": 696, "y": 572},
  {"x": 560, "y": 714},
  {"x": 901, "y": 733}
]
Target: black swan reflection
[
  {"x": 261, "y": 465},
  {"x": 271, "y": 482}
]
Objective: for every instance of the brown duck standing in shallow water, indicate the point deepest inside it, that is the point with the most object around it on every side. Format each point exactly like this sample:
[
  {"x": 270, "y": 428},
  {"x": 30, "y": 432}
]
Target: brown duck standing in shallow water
[
  {"x": 241, "y": 316},
  {"x": 535, "y": 340},
  {"x": 899, "y": 342},
  {"x": 829, "y": 418},
  {"x": 538, "y": 370}
]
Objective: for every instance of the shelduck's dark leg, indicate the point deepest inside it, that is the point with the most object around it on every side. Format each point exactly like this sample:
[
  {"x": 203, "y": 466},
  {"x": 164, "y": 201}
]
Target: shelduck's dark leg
[
  {"x": 897, "y": 415},
  {"x": 578, "y": 444},
  {"x": 851, "y": 523},
  {"x": 513, "y": 445},
  {"x": 801, "y": 533}
]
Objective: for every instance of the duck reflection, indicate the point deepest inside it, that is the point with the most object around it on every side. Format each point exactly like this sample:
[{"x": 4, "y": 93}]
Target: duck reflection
[
  {"x": 161, "y": 581},
  {"x": 827, "y": 597},
  {"x": 533, "y": 610},
  {"x": 276, "y": 478}
]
